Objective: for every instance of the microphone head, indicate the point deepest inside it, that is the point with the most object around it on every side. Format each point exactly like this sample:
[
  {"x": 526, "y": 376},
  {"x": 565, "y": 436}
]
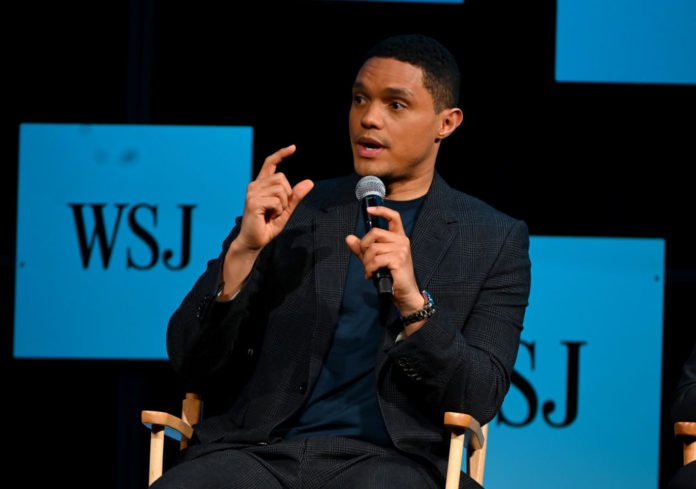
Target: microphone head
[{"x": 370, "y": 185}]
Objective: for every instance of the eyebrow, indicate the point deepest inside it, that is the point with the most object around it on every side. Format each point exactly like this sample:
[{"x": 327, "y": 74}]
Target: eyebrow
[{"x": 392, "y": 91}]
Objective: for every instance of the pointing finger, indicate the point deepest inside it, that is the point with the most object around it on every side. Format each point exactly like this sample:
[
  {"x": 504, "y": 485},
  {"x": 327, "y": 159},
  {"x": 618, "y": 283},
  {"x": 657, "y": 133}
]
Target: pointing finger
[{"x": 271, "y": 162}]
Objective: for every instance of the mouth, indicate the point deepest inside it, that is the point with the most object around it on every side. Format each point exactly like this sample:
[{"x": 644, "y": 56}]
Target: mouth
[{"x": 369, "y": 147}]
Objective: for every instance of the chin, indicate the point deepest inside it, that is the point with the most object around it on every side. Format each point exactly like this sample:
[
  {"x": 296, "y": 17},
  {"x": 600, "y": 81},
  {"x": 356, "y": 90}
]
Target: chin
[{"x": 370, "y": 167}]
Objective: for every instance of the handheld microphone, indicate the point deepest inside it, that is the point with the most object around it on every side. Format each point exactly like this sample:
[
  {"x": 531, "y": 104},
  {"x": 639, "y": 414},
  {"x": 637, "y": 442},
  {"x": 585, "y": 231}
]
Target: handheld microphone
[{"x": 370, "y": 191}]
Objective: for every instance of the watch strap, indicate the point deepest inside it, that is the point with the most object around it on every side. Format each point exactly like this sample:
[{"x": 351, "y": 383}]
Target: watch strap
[{"x": 425, "y": 312}]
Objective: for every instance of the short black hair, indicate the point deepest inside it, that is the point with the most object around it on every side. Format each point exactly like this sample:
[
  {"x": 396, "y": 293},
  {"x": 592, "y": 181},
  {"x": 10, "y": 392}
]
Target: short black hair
[{"x": 440, "y": 70}]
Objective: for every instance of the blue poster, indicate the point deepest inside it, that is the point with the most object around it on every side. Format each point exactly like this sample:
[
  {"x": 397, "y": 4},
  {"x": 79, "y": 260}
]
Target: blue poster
[
  {"x": 584, "y": 409},
  {"x": 114, "y": 225},
  {"x": 626, "y": 41}
]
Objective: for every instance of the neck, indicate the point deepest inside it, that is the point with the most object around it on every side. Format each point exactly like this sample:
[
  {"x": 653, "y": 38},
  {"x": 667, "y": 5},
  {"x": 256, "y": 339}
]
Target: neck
[{"x": 410, "y": 189}]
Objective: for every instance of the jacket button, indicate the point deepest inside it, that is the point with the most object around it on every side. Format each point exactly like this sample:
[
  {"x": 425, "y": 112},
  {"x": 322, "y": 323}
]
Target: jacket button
[
  {"x": 302, "y": 388},
  {"x": 202, "y": 305}
]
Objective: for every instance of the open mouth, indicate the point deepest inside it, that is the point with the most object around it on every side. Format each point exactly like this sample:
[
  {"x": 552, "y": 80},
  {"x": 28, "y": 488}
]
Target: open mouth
[{"x": 369, "y": 147}]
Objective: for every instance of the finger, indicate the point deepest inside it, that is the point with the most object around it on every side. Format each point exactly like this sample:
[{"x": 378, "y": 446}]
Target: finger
[
  {"x": 276, "y": 186},
  {"x": 299, "y": 192},
  {"x": 377, "y": 262},
  {"x": 281, "y": 191},
  {"x": 376, "y": 249},
  {"x": 275, "y": 180},
  {"x": 381, "y": 254},
  {"x": 353, "y": 243},
  {"x": 271, "y": 162},
  {"x": 377, "y": 235},
  {"x": 392, "y": 217},
  {"x": 271, "y": 207}
]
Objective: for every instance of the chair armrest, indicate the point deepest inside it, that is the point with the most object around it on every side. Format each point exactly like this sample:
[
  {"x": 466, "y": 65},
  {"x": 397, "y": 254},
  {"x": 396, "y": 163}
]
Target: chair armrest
[
  {"x": 460, "y": 422},
  {"x": 463, "y": 426},
  {"x": 160, "y": 424},
  {"x": 173, "y": 427},
  {"x": 687, "y": 430}
]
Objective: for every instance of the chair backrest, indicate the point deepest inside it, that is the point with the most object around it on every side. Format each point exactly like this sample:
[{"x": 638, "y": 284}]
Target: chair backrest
[{"x": 191, "y": 408}]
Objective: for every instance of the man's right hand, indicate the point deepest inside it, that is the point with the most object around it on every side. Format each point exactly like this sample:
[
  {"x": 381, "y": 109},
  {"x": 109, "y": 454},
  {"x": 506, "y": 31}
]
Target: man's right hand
[{"x": 270, "y": 201}]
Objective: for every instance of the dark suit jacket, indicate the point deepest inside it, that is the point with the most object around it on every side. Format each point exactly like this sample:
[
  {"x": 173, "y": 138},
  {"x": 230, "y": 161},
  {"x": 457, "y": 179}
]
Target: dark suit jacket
[
  {"x": 473, "y": 260},
  {"x": 684, "y": 409},
  {"x": 684, "y": 399}
]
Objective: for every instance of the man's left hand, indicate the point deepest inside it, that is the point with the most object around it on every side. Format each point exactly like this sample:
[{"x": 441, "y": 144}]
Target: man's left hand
[{"x": 391, "y": 249}]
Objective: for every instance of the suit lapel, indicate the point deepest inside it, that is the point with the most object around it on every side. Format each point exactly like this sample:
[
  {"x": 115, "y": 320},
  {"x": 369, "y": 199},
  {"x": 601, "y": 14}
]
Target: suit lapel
[
  {"x": 433, "y": 232},
  {"x": 432, "y": 235},
  {"x": 331, "y": 225},
  {"x": 331, "y": 256}
]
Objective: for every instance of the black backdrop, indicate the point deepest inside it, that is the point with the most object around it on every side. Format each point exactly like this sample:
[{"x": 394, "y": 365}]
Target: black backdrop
[{"x": 570, "y": 159}]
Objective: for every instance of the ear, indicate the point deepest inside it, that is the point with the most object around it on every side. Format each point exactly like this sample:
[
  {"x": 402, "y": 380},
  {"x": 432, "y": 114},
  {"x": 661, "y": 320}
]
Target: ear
[{"x": 449, "y": 121}]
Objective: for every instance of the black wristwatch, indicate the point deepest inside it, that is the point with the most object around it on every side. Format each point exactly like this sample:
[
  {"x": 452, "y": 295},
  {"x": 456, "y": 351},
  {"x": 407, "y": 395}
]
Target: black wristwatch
[{"x": 424, "y": 313}]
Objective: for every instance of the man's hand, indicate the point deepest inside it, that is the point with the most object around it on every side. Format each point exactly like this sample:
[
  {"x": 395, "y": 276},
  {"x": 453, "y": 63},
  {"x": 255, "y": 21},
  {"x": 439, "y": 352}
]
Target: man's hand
[
  {"x": 381, "y": 248},
  {"x": 270, "y": 201}
]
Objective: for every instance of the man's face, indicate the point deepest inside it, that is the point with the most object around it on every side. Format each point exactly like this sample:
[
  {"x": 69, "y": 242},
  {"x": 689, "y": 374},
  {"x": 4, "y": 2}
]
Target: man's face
[{"x": 393, "y": 124}]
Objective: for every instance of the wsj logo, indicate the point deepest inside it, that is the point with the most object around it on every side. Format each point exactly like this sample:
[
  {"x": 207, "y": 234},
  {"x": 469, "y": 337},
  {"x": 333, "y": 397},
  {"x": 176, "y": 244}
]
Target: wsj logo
[
  {"x": 141, "y": 220},
  {"x": 548, "y": 408}
]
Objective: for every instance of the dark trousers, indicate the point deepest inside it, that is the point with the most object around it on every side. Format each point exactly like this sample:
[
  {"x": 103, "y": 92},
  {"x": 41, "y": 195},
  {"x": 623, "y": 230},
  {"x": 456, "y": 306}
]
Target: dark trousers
[{"x": 310, "y": 463}]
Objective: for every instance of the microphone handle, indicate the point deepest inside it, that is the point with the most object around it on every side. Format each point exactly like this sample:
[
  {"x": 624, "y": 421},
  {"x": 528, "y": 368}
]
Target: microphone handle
[{"x": 382, "y": 278}]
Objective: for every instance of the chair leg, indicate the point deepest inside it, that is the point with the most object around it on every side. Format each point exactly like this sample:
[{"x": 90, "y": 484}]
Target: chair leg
[
  {"x": 454, "y": 466},
  {"x": 156, "y": 453},
  {"x": 477, "y": 459}
]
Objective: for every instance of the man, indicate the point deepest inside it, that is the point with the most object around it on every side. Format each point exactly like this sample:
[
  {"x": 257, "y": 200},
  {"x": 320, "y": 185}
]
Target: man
[
  {"x": 684, "y": 409},
  {"x": 333, "y": 386}
]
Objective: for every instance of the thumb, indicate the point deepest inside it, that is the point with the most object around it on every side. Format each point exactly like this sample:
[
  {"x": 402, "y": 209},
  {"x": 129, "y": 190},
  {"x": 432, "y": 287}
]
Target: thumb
[
  {"x": 353, "y": 243},
  {"x": 299, "y": 192}
]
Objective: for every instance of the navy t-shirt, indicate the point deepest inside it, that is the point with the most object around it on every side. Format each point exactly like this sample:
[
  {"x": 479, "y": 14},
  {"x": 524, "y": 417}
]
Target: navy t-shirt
[{"x": 343, "y": 401}]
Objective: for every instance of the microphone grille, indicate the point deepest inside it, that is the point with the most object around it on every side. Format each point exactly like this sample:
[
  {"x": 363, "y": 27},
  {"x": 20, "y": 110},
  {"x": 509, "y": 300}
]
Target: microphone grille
[{"x": 370, "y": 185}]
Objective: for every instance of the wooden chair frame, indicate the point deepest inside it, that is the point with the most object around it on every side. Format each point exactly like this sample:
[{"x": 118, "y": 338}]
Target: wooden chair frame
[
  {"x": 686, "y": 430},
  {"x": 161, "y": 423},
  {"x": 465, "y": 431}
]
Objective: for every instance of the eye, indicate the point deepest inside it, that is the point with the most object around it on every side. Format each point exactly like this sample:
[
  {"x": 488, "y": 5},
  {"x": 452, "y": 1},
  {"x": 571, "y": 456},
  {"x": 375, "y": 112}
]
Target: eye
[
  {"x": 397, "y": 105},
  {"x": 358, "y": 99}
]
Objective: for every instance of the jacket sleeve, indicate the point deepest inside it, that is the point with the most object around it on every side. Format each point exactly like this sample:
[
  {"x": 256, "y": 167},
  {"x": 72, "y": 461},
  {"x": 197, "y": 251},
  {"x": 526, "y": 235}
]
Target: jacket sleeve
[
  {"x": 203, "y": 334},
  {"x": 684, "y": 399},
  {"x": 467, "y": 367}
]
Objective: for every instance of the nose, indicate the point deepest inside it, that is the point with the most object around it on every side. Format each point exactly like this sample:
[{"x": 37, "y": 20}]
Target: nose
[{"x": 371, "y": 117}]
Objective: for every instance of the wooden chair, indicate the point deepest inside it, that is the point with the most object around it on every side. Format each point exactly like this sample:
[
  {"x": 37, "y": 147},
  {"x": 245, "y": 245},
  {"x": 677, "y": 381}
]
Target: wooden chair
[
  {"x": 686, "y": 430},
  {"x": 465, "y": 430},
  {"x": 181, "y": 429}
]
